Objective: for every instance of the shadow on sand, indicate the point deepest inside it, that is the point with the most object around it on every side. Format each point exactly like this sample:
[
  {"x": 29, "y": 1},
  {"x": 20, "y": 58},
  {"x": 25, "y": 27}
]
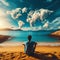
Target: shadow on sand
[
  {"x": 44, "y": 56},
  {"x": 23, "y": 56}
]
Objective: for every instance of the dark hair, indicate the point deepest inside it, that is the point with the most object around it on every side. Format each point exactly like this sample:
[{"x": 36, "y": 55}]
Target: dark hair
[{"x": 29, "y": 37}]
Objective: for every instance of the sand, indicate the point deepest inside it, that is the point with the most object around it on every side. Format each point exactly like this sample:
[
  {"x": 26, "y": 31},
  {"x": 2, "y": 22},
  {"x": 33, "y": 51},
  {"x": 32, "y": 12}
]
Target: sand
[{"x": 41, "y": 53}]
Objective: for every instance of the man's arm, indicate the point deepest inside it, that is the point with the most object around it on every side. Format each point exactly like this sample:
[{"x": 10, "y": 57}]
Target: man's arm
[
  {"x": 23, "y": 44},
  {"x": 35, "y": 44}
]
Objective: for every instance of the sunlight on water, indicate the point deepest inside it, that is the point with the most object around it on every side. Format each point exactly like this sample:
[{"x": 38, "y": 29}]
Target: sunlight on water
[{"x": 4, "y": 32}]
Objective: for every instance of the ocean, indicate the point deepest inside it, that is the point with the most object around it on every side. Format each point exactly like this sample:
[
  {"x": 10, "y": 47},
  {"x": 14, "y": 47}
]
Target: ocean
[{"x": 38, "y": 36}]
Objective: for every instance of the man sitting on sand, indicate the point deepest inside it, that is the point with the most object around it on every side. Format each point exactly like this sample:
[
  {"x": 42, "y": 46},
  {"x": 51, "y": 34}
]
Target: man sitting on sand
[{"x": 29, "y": 46}]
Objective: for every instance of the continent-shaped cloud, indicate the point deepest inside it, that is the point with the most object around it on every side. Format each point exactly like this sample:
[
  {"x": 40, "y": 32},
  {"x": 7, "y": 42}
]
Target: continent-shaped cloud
[
  {"x": 44, "y": 13},
  {"x": 16, "y": 13},
  {"x": 40, "y": 14},
  {"x": 20, "y": 23},
  {"x": 24, "y": 10}
]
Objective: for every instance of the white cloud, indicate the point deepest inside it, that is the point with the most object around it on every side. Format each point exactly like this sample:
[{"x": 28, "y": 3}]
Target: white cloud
[
  {"x": 35, "y": 16},
  {"x": 32, "y": 17},
  {"x": 32, "y": 29},
  {"x": 46, "y": 25},
  {"x": 44, "y": 13},
  {"x": 20, "y": 23},
  {"x": 40, "y": 14},
  {"x": 16, "y": 13},
  {"x": 55, "y": 24},
  {"x": 36, "y": 28},
  {"x": 24, "y": 10},
  {"x": 4, "y": 2},
  {"x": 57, "y": 20}
]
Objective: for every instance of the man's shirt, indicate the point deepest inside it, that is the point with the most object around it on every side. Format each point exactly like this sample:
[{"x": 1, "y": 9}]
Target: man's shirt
[{"x": 29, "y": 47}]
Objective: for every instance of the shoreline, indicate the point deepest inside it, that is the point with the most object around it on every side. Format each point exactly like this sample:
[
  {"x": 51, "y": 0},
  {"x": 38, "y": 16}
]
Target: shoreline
[{"x": 38, "y": 44}]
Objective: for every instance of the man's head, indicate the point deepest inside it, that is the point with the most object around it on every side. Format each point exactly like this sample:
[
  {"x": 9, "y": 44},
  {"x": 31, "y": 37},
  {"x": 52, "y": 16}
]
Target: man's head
[{"x": 29, "y": 37}]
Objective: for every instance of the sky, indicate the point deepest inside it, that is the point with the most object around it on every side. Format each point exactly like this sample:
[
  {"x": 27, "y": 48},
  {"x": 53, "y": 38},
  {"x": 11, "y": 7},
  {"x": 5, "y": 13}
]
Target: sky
[{"x": 37, "y": 14}]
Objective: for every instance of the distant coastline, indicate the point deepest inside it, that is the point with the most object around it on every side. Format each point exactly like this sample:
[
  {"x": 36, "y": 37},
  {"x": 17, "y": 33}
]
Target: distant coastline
[
  {"x": 4, "y": 40},
  {"x": 25, "y": 29}
]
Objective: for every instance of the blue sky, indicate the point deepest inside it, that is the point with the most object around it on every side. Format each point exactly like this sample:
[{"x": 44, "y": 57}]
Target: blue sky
[{"x": 30, "y": 13}]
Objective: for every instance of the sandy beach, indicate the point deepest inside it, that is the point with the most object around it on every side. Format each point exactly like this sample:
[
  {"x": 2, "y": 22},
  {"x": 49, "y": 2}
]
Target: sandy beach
[{"x": 41, "y": 53}]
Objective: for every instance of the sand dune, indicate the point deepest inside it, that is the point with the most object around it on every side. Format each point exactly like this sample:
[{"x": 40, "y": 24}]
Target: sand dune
[{"x": 56, "y": 35}]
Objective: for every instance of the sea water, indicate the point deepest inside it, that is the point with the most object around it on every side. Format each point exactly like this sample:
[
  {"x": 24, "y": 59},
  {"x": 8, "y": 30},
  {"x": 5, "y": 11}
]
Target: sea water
[{"x": 21, "y": 36}]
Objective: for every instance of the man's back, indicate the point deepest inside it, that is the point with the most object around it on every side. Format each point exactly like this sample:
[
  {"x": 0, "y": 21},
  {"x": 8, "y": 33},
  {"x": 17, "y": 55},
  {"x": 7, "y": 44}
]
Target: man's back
[{"x": 30, "y": 47}]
